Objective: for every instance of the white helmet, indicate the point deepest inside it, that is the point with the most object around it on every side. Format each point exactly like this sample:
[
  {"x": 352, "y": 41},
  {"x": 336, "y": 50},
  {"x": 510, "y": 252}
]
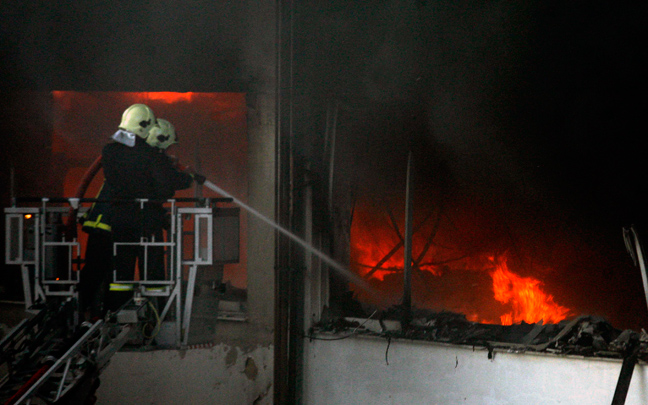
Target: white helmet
[
  {"x": 138, "y": 119},
  {"x": 162, "y": 135}
]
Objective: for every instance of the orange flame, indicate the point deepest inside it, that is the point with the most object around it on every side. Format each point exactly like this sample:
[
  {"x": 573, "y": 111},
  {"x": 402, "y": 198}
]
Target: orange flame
[{"x": 530, "y": 304}]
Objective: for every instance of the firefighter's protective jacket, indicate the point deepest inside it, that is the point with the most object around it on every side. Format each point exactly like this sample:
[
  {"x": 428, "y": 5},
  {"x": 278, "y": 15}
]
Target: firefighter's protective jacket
[{"x": 140, "y": 171}]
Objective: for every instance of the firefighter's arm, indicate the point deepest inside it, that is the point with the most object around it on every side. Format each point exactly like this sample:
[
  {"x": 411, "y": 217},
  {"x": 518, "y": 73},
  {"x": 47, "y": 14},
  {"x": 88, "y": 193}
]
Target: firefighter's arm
[
  {"x": 167, "y": 176},
  {"x": 197, "y": 177}
]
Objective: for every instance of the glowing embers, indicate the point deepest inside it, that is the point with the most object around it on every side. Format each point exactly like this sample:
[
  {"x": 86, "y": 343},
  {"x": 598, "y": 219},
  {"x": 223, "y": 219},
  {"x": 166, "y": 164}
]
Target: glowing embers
[{"x": 529, "y": 302}]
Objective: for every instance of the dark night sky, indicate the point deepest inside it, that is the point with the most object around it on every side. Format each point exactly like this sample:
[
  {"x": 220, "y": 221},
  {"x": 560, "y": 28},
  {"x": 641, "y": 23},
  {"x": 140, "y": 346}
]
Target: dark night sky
[{"x": 533, "y": 110}]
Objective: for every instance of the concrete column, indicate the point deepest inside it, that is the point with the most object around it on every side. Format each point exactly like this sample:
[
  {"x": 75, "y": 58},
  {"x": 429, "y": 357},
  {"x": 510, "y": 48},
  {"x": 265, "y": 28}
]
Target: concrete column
[{"x": 260, "y": 65}]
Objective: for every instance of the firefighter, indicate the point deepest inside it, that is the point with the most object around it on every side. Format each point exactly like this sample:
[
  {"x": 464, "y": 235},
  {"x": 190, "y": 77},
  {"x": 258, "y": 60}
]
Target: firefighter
[
  {"x": 162, "y": 136},
  {"x": 133, "y": 169}
]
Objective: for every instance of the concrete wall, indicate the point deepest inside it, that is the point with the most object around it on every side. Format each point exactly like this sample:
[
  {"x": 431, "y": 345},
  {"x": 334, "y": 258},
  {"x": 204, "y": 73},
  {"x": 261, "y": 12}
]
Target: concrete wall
[
  {"x": 367, "y": 371},
  {"x": 221, "y": 374}
]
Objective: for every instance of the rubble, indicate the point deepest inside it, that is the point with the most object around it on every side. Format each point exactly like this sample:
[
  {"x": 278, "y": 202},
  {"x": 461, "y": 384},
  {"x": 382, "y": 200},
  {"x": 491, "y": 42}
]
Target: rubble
[{"x": 585, "y": 335}]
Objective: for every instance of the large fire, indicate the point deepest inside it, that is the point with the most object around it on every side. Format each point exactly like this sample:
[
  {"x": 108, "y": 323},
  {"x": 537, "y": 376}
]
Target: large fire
[
  {"x": 485, "y": 289},
  {"x": 530, "y": 304}
]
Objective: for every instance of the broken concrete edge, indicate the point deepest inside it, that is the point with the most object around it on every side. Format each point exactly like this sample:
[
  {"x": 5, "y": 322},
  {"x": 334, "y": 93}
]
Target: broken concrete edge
[
  {"x": 583, "y": 337},
  {"x": 490, "y": 352},
  {"x": 375, "y": 325}
]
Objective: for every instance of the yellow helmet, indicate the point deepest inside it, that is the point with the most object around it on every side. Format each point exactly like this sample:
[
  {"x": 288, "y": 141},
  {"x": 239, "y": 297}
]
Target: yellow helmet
[
  {"x": 162, "y": 135},
  {"x": 138, "y": 119}
]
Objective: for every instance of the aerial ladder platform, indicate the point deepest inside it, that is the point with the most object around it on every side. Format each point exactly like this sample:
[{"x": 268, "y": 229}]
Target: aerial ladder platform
[{"x": 55, "y": 355}]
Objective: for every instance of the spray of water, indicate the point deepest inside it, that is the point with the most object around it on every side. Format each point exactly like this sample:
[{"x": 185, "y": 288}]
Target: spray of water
[{"x": 309, "y": 248}]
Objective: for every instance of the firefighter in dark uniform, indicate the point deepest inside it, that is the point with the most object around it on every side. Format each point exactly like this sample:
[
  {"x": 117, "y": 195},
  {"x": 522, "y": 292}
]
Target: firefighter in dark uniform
[
  {"x": 134, "y": 169},
  {"x": 161, "y": 137}
]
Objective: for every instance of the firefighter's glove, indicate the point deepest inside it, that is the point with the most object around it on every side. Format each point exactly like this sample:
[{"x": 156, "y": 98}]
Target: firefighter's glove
[{"x": 198, "y": 178}]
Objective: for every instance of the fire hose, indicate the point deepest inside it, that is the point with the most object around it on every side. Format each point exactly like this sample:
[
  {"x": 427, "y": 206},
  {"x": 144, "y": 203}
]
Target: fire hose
[
  {"x": 15, "y": 397},
  {"x": 70, "y": 225}
]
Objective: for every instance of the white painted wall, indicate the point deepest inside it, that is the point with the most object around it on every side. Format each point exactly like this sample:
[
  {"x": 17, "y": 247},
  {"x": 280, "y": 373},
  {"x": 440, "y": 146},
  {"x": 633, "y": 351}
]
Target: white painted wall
[
  {"x": 220, "y": 374},
  {"x": 355, "y": 371}
]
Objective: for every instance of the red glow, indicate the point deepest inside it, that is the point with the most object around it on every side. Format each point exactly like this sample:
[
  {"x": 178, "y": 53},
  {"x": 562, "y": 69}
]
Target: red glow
[
  {"x": 530, "y": 304},
  {"x": 446, "y": 277},
  {"x": 65, "y": 98},
  {"x": 167, "y": 96},
  {"x": 372, "y": 242}
]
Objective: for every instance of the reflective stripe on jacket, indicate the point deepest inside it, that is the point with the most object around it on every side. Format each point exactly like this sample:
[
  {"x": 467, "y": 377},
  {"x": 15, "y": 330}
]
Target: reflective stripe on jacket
[
  {"x": 98, "y": 224},
  {"x": 99, "y": 216}
]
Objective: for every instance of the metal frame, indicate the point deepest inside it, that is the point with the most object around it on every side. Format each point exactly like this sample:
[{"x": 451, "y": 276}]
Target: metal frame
[
  {"x": 20, "y": 259},
  {"x": 91, "y": 352},
  {"x": 202, "y": 255},
  {"x": 38, "y": 286},
  {"x": 171, "y": 287},
  {"x": 635, "y": 249},
  {"x": 66, "y": 379},
  {"x": 30, "y": 247}
]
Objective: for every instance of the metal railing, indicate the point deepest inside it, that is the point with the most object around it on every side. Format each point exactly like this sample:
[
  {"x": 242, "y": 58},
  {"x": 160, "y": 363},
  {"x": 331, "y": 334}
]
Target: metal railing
[{"x": 38, "y": 239}]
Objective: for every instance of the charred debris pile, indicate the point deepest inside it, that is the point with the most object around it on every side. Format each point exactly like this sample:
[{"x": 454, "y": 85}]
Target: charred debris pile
[{"x": 587, "y": 335}]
